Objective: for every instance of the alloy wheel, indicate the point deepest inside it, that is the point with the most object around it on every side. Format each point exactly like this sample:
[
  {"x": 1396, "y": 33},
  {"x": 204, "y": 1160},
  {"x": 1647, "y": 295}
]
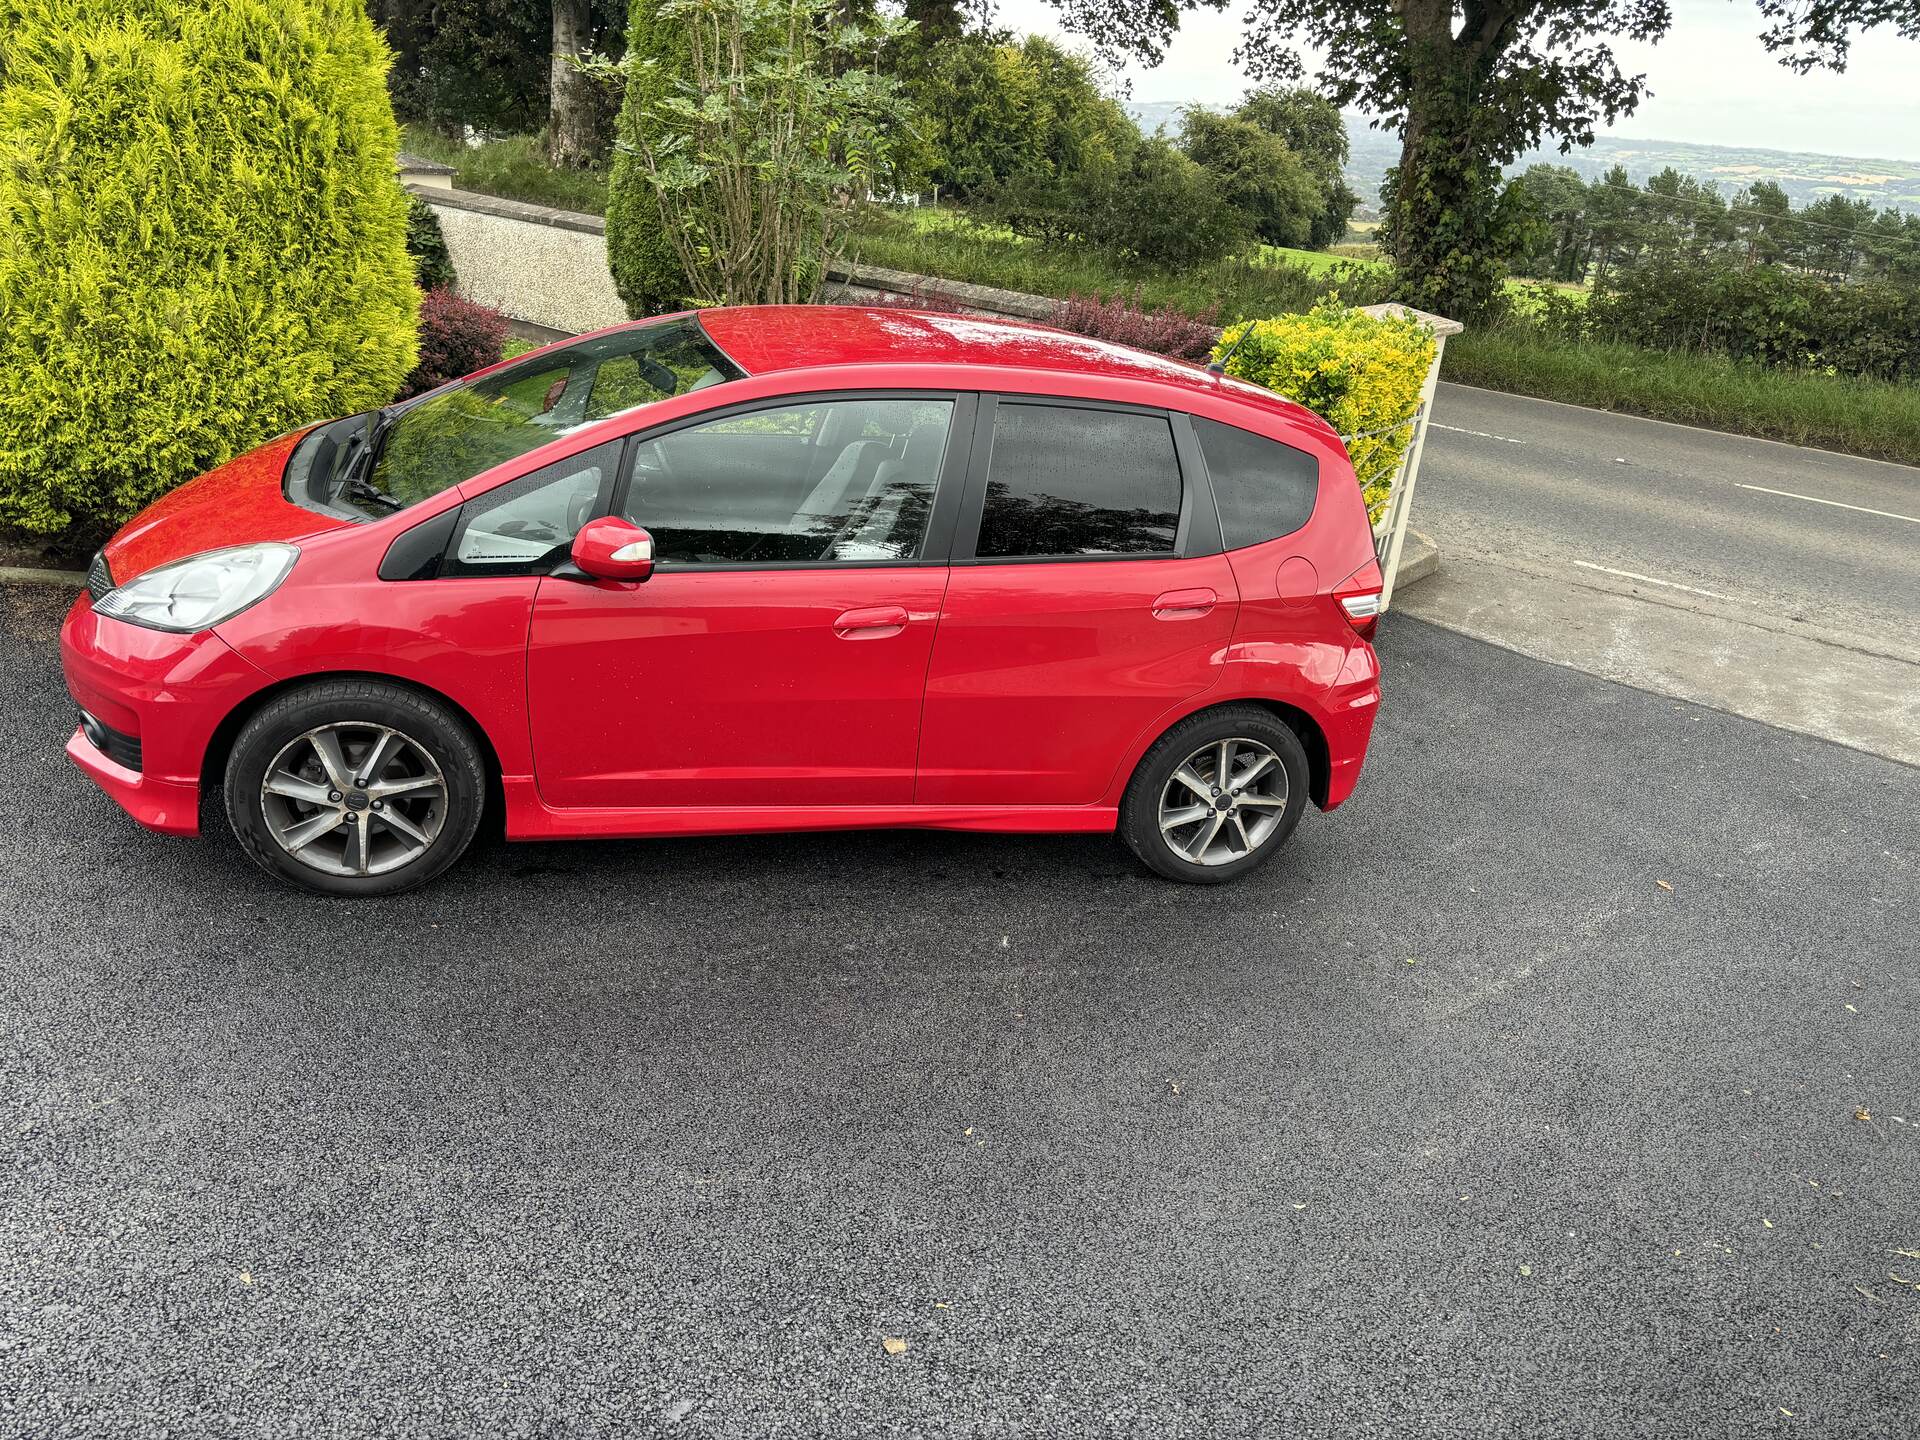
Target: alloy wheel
[
  {"x": 1223, "y": 802},
  {"x": 354, "y": 798}
]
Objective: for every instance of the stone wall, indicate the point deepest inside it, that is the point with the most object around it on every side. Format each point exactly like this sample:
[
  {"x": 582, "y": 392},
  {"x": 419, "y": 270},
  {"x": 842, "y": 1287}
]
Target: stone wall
[{"x": 546, "y": 268}]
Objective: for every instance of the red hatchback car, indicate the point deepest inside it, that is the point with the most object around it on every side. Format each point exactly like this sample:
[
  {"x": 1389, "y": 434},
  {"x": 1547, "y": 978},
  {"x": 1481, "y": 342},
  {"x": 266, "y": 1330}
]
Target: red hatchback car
[{"x": 780, "y": 568}]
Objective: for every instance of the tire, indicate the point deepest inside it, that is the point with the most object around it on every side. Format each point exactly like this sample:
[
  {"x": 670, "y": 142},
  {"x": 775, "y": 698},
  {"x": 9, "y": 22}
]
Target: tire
[
  {"x": 1267, "y": 792},
  {"x": 409, "y": 822}
]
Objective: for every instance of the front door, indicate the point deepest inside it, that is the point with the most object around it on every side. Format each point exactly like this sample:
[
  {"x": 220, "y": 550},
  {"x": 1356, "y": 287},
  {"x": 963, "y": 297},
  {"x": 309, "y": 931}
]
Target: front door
[{"x": 778, "y": 655}]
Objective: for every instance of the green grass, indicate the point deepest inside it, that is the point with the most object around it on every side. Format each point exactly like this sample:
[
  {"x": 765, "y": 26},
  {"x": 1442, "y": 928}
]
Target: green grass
[
  {"x": 948, "y": 244},
  {"x": 1861, "y": 417},
  {"x": 515, "y": 168}
]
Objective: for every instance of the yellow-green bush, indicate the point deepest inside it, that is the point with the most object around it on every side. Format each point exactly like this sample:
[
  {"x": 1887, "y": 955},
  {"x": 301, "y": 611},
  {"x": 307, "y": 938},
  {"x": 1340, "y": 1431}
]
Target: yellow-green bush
[
  {"x": 201, "y": 241},
  {"x": 1360, "y": 373}
]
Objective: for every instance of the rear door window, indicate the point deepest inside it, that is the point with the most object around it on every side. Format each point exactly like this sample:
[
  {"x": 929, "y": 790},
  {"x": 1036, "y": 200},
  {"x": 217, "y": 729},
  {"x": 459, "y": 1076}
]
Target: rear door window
[
  {"x": 1264, "y": 489},
  {"x": 1067, "y": 480}
]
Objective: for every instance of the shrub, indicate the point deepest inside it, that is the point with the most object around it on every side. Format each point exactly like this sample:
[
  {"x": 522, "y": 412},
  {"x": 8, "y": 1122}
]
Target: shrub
[
  {"x": 1155, "y": 208},
  {"x": 1257, "y": 173},
  {"x": 432, "y": 266},
  {"x": 204, "y": 244},
  {"x": 1361, "y": 374},
  {"x": 646, "y": 267},
  {"x": 1163, "y": 330},
  {"x": 457, "y": 337},
  {"x": 759, "y": 157}
]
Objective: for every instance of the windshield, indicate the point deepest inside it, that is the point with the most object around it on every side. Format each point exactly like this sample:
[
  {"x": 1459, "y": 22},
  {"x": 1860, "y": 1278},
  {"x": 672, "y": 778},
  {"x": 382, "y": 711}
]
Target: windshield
[{"x": 425, "y": 447}]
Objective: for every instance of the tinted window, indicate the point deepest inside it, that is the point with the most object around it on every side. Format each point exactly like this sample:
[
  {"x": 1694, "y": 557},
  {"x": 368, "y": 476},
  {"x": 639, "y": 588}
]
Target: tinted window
[
  {"x": 1264, "y": 489},
  {"x": 1069, "y": 481},
  {"x": 527, "y": 525},
  {"x": 824, "y": 482}
]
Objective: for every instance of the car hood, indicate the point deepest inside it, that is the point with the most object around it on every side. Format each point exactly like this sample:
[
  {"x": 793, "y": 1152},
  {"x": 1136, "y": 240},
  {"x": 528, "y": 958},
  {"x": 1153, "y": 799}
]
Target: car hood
[{"x": 239, "y": 503}]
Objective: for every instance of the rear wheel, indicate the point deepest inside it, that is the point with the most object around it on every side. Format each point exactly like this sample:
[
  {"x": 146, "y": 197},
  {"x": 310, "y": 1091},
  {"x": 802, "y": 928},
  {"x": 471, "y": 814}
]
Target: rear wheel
[
  {"x": 355, "y": 787},
  {"x": 1217, "y": 795}
]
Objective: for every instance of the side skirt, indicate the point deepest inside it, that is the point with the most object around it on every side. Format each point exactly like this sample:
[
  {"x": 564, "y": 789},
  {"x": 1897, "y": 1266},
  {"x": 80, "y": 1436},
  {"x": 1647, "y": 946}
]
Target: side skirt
[{"x": 530, "y": 818}]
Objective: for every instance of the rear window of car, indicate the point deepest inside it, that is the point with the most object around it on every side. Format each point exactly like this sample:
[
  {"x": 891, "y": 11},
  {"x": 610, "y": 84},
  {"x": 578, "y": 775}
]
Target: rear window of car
[
  {"x": 1264, "y": 489},
  {"x": 1066, "y": 480}
]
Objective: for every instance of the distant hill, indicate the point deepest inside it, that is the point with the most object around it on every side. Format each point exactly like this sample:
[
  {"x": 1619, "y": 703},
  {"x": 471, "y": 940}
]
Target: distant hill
[{"x": 1805, "y": 177}]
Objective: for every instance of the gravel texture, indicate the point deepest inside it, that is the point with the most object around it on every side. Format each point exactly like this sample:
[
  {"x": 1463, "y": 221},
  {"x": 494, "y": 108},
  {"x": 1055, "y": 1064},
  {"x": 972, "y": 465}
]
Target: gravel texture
[{"x": 1456, "y": 1120}]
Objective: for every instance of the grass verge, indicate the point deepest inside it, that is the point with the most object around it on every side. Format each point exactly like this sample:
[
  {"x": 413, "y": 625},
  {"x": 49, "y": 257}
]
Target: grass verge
[
  {"x": 515, "y": 168},
  {"x": 1862, "y": 417},
  {"x": 948, "y": 244}
]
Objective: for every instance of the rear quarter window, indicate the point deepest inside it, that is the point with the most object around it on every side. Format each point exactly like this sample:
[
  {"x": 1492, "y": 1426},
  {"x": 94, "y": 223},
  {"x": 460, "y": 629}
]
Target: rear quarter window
[{"x": 1264, "y": 489}]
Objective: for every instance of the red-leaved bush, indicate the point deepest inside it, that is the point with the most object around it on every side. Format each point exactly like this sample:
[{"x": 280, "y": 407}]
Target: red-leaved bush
[
  {"x": 1165, "y": 331},
  {"x": 457, "y": 337}
]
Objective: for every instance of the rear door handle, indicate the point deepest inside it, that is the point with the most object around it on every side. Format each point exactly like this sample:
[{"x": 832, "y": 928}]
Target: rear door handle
[
  {"x": 1184, "y": 604},
  {"x": 876, "y": 623}
]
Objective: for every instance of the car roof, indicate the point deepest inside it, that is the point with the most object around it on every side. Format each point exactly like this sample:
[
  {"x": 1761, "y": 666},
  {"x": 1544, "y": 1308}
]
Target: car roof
[{"x": 763, "y": 339}]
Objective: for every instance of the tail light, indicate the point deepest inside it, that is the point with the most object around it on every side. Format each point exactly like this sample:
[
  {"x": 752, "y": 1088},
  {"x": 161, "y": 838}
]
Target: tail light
[{"x": 1359, "y": 597}]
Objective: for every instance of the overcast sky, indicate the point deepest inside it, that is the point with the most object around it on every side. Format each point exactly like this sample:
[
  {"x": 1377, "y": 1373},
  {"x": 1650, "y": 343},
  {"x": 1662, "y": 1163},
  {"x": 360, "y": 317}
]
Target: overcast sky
[{"x": 1711, "y": 80}]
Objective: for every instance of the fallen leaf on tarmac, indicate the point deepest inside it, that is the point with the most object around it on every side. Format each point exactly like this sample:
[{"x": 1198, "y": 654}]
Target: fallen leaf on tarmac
[
  {"x": 967, "y": 1131},
  {"x": 246, "y": 1277},
  {"x": 1869, "y": 1294},
  {"x": 1785, "y": 1411},
  {"x": 1910, "y": 1254},
  {"x": 1863, "y": 1114},
  {"x": 1176, "y": 1086},
  {"x": 1664, "y": 886},
  {"x": 894, "y": 1345},
  {"x": 1526, "y": 1270},
  {"x": 1856, "y": 1012},
  {"x": 1766, "y": 1222},
  {"x": 1299, "y": 1205}
]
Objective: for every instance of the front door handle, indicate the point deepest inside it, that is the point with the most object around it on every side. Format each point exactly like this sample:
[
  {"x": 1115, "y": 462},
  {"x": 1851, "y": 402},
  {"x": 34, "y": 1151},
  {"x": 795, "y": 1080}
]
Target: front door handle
[
  {"x": 873, "y": 624},
  {"x": 1184, "y": 604}
]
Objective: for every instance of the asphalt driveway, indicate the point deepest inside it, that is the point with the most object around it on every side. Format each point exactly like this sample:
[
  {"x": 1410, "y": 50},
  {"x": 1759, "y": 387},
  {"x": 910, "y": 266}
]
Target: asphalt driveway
[{"x": 1456, "y": 1120}]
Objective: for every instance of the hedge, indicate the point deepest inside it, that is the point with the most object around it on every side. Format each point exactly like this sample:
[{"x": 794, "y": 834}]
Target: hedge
[
  {"x": 204, "y": 243},
  {"x": 646, "y": 268},
  {"x": 1362, "y": 374}
]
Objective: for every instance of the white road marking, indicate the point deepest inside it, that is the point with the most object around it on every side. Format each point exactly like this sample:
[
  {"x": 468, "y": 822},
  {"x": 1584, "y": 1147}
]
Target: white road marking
[
  {"x": 1837, "y": 504},
  {"x": 1482, "y": 434},
  {"x": 1650, "y": 580}
]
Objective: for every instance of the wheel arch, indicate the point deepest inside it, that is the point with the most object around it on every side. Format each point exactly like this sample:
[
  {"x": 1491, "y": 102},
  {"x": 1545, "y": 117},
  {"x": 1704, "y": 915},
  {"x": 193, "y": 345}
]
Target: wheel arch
[
  {"x": 1313, "y": 739},
  {"x": 213, "y": 765}
]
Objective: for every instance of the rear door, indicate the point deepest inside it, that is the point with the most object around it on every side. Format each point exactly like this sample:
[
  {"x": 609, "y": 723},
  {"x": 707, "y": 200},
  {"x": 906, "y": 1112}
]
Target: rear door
[{"x": 1088, "y": 596}]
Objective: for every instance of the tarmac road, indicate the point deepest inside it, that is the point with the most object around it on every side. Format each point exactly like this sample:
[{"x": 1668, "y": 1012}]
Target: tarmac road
[
  {"x": 1774, "y": 581},
  {"x": 1456, "y": 1120}
]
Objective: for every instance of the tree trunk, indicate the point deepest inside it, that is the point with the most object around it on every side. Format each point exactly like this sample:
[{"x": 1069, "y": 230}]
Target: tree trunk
[{"x": 571, "y": 106}]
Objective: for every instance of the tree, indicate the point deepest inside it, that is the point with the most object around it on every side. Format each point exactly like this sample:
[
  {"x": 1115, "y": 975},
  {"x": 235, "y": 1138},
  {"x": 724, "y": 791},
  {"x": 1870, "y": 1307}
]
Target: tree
[
  {"x": 1258, "y": 174},
  {"x": 1315, "y": 132},
  {"x": 570, "y": 111},
  {"x": 1469, "y": 83},
  {"x": 645, "y": 263},
  {"x": 1812, "y": 34},
  {"x": 989, "y": 111},
  {"x": 491, "y": 63},
  {"x": 758, "y": 158},
  {"x": 1558, "y": 244},
  {"x": 204, "y": 242}
]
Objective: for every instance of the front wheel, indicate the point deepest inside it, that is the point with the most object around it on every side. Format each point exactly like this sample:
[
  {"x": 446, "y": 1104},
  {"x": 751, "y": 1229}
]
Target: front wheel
[
  {"x": 355, "y": 787},
  {"x": 1217, "y": 795}
]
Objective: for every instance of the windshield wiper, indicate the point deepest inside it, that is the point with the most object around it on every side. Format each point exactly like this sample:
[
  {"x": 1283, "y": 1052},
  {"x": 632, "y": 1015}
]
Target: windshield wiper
[{"x": 372, "y": 494}]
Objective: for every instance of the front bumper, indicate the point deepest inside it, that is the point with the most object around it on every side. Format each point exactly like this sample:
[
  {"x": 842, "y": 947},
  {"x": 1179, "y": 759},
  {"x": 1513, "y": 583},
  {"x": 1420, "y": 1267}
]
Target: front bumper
[{"x": 165, "y": 693}]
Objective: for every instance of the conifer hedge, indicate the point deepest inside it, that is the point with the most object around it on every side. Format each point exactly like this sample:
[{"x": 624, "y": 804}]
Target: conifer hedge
[
  {"x": 646, "y": 267},
  {"x": 202, "y": 242}
]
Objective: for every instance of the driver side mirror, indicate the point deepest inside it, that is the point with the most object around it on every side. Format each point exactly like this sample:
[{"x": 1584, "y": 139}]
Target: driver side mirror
[{"x": 613, "y": 549}]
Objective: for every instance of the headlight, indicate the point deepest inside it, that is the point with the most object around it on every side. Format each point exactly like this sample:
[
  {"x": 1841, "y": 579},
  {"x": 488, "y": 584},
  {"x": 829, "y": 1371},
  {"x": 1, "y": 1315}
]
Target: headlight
[{"x": 202, "y": 590}]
